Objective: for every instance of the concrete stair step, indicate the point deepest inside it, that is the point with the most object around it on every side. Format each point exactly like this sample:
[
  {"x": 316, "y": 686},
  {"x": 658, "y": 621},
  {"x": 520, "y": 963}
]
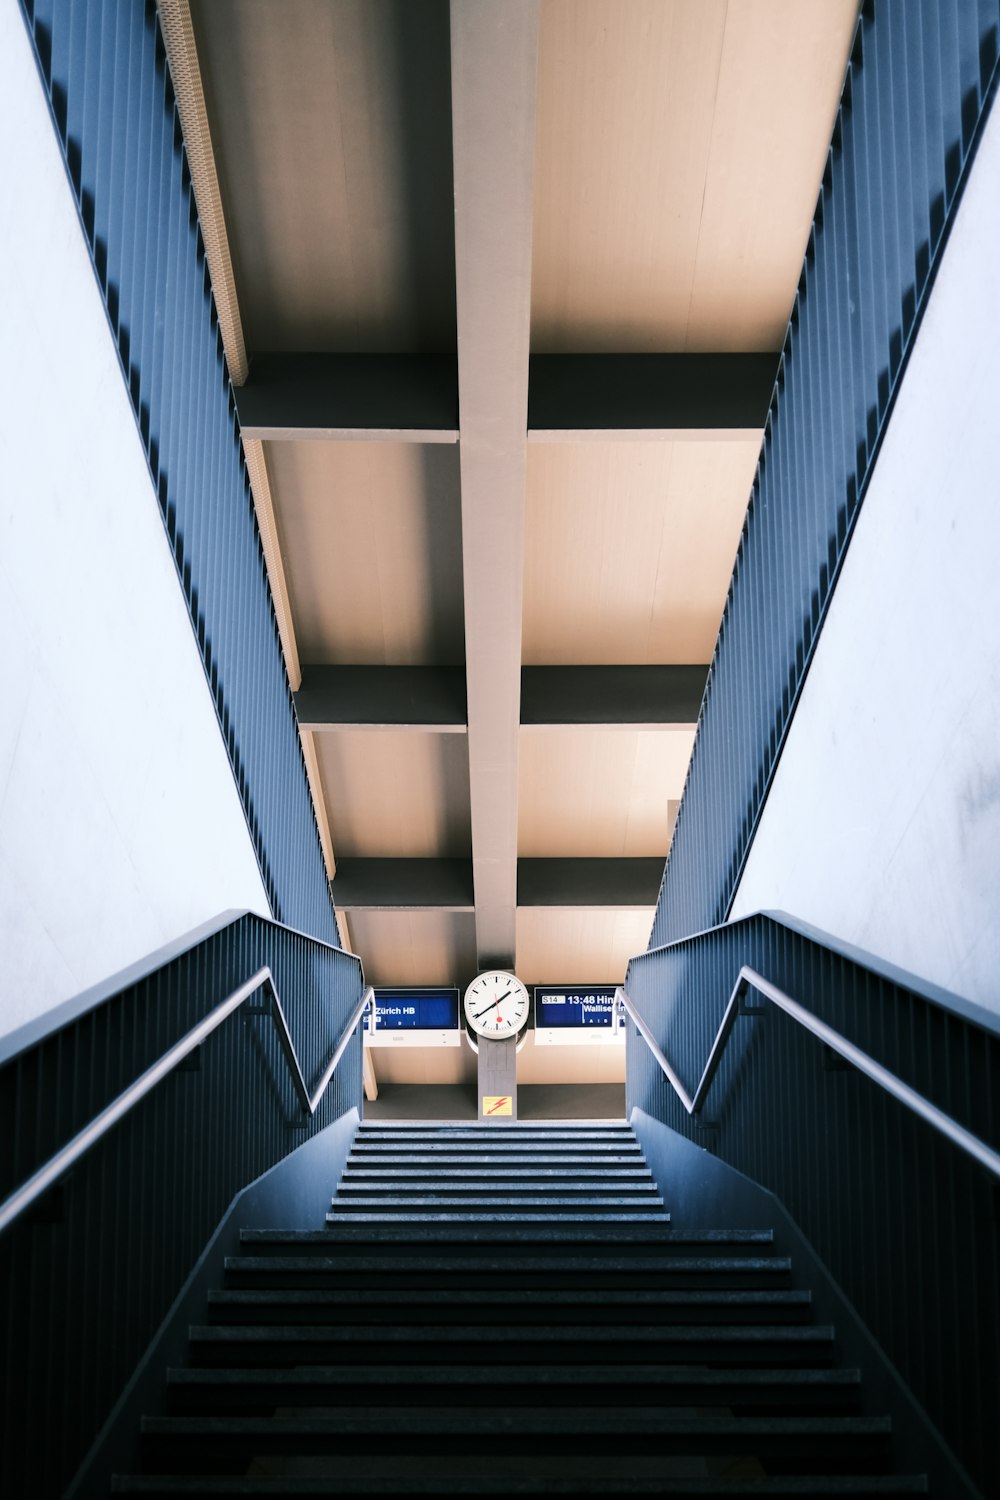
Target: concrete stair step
[
  {"x": 521, "y": 1201},
  {"x": 463, "y": 1272},
  {"x": 577, "y": 1298},
  {"x": 496, "y": 1187},
  {"x": 403, "y": 1481},
  {"x": 444, "y": 1305},
  {"x": 508, "y": 1160},
  {"x": 320, "y": 1242},
  {"x": 600, "y": 1266},
  {"x": 172, "y": 1443},
  {"x": 505, "y": 1171},
  {"x": 710, "y": 1344},
  {"x": 500, "y": 1145},
  {"x": 486, "y": 1130},
  {"x": 229, "y": 1389},
  {"x": 498, "y": 1228}
]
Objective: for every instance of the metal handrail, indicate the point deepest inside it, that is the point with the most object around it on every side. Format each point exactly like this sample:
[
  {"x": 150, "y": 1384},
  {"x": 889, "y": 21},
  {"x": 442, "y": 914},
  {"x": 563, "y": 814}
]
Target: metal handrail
[
  {"x": 22, "y": 1198},
  {"x": 749, "y": 979}
]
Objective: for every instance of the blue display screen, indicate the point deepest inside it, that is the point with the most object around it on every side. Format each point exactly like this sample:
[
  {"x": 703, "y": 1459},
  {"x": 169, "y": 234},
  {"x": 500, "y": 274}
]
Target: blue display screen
[
  {"x": 416, "y": 1010},
  {"x": 573, "y": 1005}
]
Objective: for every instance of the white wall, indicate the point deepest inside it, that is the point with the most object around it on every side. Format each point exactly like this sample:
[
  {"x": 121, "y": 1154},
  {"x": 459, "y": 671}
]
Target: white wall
[
  {"x": 120, "y": 824},
  {"x": 883, "y": 823}
]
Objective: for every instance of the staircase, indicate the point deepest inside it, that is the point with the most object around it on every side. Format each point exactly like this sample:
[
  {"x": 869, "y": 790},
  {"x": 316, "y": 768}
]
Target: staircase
[
  {"x": 497, "y": 1310},
  {"x": 573, "y": 1179}
]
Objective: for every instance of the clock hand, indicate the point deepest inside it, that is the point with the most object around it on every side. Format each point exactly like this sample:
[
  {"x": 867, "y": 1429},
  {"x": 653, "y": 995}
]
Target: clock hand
[{"x": 490, "y": 1007}]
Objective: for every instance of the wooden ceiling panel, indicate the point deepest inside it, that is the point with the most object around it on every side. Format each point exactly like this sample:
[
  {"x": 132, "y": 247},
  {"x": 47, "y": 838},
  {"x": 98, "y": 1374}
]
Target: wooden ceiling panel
[
  {"x": 396, "y": 795},
  {"x": 599, "y": 793},
  {"x": 629, "y": 549},
  {"x": 331, "y": 123},
  {"x": 680, "y": 148},
  {"x": 415, "y": 947},
  {"x": 371, "y": 536},
  {"x": 780, "y": 80},
  {"x": 556, "y": 945}
]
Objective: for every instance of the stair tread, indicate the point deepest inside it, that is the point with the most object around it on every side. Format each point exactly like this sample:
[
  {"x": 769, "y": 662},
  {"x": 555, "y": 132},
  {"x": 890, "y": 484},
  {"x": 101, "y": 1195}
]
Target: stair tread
[
  {"x": 489, "y": 1130},
  {"x": 444, "y": 1229},
  {"x": 733, "y": 1265},
  {"x": 569, "y": 1173},
  {"x": 686, "y": 1376},
  {"x": 486, "y": 1217},
  {"x": 499, "y": 1140},
  {"x": 516, "y": 1200},
  {"x": 517, "y": 1420},
  {"x": 559, "y": 1190},
  {"x": 602, "y": 1297},
  {"x": 509, "y": 1158},
  {"x": 715, "y": 1237},
  {"x": 528, "y": 1333},
  {"x": 858, "y": 1485},
  {"x": 507, "y": 1155},
  {"x": 517, "y": 1175}
]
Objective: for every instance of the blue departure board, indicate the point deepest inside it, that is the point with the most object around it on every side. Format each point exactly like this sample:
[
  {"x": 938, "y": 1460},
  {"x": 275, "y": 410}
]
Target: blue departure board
[
  {"x": 416, "y": 1010},
  {"x": 573, "y": 1005}
]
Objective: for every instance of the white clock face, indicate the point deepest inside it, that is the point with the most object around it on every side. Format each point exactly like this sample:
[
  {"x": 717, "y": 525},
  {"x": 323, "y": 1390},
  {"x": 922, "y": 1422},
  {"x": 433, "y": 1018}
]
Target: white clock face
[{"x": 496, "y": 1004}]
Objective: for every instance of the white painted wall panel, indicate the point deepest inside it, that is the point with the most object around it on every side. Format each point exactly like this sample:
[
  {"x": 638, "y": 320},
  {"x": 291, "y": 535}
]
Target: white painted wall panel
[
  {"x": 883, "y": 824},
  {"x": 120, "y": 824}
]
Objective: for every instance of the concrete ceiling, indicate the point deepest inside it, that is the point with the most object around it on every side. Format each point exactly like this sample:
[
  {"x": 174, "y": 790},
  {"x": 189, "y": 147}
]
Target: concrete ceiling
[{"x": 416, "y": 197}]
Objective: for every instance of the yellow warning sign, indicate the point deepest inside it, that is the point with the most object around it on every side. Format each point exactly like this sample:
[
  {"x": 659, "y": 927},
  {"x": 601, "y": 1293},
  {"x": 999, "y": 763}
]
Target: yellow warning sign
[{"x": 498, "y": 1104}]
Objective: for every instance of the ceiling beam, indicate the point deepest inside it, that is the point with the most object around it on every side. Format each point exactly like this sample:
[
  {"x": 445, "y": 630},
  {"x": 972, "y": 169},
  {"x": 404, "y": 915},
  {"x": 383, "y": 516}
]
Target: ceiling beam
[
  {"x": 571, "y": 397},
  {"x": 434, "y": 698},
  {"x": 447, "y": 884},
  {"x": 419, "y": 698},
  {"x": 403, "y": 885},
  {"x": 671, "y": 396},
  {"x": 619, "y": 697},
  {"x": 404, "y": 398},
  {"x": 494, "y": 63},
  {"x": 589, "y": 882}
]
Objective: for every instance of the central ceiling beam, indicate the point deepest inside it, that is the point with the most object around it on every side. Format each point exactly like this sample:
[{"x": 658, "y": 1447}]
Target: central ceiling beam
[
  {"x": 494, "y": 63},
  {"x": 716, "y": 397}
]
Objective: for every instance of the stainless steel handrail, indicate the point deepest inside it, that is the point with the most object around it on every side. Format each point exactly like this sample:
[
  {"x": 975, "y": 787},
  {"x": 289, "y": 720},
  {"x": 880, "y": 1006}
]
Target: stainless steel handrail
[
  {"x": 15, "y": 1205},
  {"x": 749, "y": 979}
]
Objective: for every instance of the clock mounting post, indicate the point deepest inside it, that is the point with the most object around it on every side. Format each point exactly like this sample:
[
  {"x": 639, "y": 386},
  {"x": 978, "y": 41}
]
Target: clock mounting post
[{"x": 496, "y": 1010}]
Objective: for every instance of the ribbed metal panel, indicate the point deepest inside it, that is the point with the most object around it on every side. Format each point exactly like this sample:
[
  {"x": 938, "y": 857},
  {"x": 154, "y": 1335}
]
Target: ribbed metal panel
[
  {"x": 89, "y": 1273},
  {"x": 919, "y": 83},
  {"x": 104, "y": 68},
  {"x": 908, "y": 1225}
]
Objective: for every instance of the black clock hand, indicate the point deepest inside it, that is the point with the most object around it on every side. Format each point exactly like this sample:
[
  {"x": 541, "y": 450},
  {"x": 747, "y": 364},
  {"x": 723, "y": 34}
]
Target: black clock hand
[{"x": 490, "y": 1007}]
